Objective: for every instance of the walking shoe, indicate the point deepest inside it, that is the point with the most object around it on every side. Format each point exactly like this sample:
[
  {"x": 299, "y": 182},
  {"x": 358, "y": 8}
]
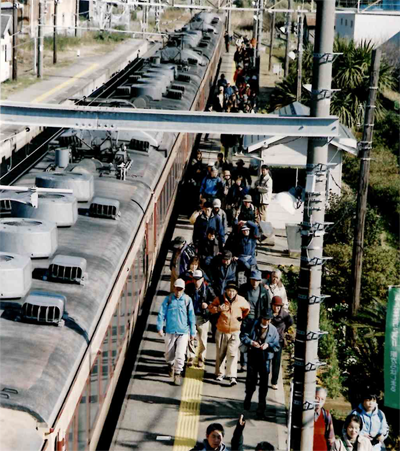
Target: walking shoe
[
  {"x": 274, "y": 387},
  {"x": 190, "y": 363},
  {"x": 219, "y": 378},
  {"x": 233, "y": 381},
  {"x": 178, "y": 379},
  {"x": 171, "y": 370},
  {"x": 242, "y": 368}
]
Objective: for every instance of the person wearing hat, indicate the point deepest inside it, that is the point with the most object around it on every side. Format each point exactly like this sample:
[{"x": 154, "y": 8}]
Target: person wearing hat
[
  {"x": 262, "y": 341},
  {"x": 217, "y": 204},
  {"x": 181, "y": 255},
  {"x": 211, "y": 186},
  {"x": 257, "y": 297},
  {"x": 282, "y": 321},
  {"x": 232, "y": 309},
  {"x": 208, "y": 249},
  {"x": 223, "y": 271},
  {"x": 243, "y": 171},
  {"x": 243, "y": 246},
  {"x": 207, "y": 220},
  {"x": 264, "y": 187},
  {"x": 246, "y": 211},
  {"x": 177, "y": 314},
  {"x": 375, "y": 426},
  {"x": 202, "y": 295}
]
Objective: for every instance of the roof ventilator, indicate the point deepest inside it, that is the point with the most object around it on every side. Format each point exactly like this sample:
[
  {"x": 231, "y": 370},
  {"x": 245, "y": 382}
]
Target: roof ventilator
[
  {"x": 15, "y": 275},
  {"x": 65, "y": 268},
  {"x": 101, "y": 207},
  {"x": 44, "y": 308},
  {"x": 178, "y": 88},
  {"x": 136, "y": 144},
  {"x": 82, "y": 185},
  {"x": 192, "y": 61},
  {"x": 173, "y": 94},
  {"x": 184, "y": 77}
]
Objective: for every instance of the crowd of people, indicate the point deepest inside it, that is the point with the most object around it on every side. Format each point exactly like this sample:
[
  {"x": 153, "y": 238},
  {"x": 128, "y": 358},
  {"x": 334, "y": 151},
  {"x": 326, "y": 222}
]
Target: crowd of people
[{"x": 217, "y": 289}]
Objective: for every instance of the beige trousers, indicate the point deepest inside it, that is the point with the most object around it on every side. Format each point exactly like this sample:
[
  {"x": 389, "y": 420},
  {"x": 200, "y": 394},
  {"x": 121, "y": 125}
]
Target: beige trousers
[
  {"x": 227, "y": 349},
  {"x": 202, "y": 334},
  {"x": 262, "y": 210}
]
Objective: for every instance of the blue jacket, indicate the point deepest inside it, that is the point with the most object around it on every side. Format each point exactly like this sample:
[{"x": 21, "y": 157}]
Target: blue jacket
[
  {"x": 177, "y": 315},
  {"x": 211, "y": 186},
  {"x": 202, "y": 225},
  {"x": 374, "y": 423},
  {"x": 272, "y": 339},
  {"x": 221, "y": 274}
]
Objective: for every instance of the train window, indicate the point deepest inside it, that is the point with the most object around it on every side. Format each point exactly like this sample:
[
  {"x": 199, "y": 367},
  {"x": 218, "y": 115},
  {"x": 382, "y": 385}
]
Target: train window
[
  {"x": 123, "y": 312},
  {"x": 105, "y": 366},
  {"x": 70, "y": 435},
  {"x": 83, "y": 422},
  {"x": 115, "y": 337},
  {"x": 94, "y": 398}
]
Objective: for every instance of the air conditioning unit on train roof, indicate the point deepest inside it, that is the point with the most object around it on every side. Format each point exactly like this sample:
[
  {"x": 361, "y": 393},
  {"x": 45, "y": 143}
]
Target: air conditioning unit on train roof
[
  {"x": 65, "y": 268},
  {"x": 15, "y": 275},
  {"x": 81, "y": 184},
  {"x": 102, "y": 207},
  {"x": 44, "y": 308}
]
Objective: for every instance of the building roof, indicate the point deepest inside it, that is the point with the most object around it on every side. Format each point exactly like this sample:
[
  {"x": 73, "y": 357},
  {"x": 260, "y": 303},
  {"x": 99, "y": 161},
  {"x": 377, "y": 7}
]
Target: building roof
[
  {"x": 5, "y": 24},
  {"x": 345, "y": 141}
]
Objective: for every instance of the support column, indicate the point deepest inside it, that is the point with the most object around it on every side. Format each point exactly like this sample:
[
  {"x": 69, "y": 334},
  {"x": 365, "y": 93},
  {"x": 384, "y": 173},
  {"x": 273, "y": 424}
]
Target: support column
[
  {"x": 312, "y": 230},
  {"x": 288, "y": 32}
]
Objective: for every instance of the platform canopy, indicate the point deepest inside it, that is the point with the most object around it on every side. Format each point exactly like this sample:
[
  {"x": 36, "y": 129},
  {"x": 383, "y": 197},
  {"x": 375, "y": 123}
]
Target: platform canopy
[{"x": 345, "y": 140}]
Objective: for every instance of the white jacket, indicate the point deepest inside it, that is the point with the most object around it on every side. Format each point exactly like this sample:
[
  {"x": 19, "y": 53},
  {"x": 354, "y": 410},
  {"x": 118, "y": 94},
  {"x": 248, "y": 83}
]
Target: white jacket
[{"x": 264, "y": 187}]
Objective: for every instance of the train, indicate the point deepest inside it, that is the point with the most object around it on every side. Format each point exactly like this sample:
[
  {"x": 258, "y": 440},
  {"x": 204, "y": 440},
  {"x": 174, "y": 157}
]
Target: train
[{"x": 77, "y": 253}]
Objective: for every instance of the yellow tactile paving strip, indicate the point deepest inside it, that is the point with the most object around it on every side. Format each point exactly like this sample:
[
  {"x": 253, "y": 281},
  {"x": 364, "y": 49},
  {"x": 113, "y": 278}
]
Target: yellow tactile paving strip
[{"x": 188, "y": 418}]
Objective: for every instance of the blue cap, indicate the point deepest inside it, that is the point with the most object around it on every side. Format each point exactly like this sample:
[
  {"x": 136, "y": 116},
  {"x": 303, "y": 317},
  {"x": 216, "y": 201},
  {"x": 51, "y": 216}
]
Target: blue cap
[{"x": 256, "y": 275}]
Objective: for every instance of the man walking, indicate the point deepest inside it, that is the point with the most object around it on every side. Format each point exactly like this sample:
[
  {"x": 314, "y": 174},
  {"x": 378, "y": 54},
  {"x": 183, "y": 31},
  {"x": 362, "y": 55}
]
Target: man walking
[
  {"x": 262, "y": 342},
  {"x": 232, "y": 309},
  {"x": 202, "y": 295},
  {"x": 264, "y": 188},
  {"x": 177, "y": 314}
]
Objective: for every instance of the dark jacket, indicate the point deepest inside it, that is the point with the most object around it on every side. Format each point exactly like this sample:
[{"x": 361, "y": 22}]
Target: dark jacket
[
  {"x": 247, "y": 214},
  {"x": 208, "y": 250},
  {"x": 272, "y": 339},
  {"x": 282, "y": 322},
  {"x": 201, "y": 226},
  {"x": 204, "y": 294},
  {"x": 236, "y": 443},
  {"x": 245, "y": 245},
  {"x": 221, "y": 274},
  {"x": 236, "y": 194},
  {"x": 262, "y": 302}
]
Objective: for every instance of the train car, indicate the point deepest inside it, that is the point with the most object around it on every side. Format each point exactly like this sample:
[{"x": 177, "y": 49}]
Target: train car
[{"x": 82, "y": 262}]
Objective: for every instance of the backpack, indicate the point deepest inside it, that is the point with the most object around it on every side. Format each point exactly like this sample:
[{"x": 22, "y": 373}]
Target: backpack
[{"x": 190, "y": 251}]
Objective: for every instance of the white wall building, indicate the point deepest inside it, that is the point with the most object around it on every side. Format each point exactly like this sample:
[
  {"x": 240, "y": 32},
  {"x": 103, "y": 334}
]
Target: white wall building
[
  {"x": 372, "y": 25},
  {"x": 6, "y": 48}
]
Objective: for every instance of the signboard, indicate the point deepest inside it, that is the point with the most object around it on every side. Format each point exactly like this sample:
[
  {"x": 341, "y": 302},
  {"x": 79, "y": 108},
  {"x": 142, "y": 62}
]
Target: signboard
[{"x": 392, "y": 350}]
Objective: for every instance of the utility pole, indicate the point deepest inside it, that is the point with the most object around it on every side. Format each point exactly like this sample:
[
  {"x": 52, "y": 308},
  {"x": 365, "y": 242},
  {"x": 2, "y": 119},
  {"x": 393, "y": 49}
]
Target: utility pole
[
  {"x": 40, "y": 41},
  {"x": 271, "y": 39},
  {"x": 260, "y": 28},
  {"x": 366, "y": 146},
  {"x": 288, "y": 27},
  {"x": 76, "y": 17},
  {"x": 312, "y": 231},
  {"x": 256, "y": 4},
  {"x": 299, "y": 56},
  {"x": 15, "y": 41},
  {"x": 55, "y": 32}
]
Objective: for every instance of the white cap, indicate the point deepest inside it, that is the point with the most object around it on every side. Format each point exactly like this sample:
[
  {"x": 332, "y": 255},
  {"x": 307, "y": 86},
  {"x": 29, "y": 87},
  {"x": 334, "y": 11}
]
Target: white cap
[
  {"x": 179, "y": 283},
  {"x": 198, "y": 274},
  {"x": 217, "y": 203}
]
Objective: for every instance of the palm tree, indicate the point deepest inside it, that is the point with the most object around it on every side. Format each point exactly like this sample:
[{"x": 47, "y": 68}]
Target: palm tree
[{"x": 350, "y": 74}]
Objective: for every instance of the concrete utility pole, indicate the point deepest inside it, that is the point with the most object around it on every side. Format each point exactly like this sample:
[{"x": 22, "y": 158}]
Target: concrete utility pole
[
  {"x": 260, "y": 27},
  {"x": 312, "y": 231},
  {"x": 288, "y": 30},
  {"x": 271, "y": 39},
  {"x": 55, "y": 32},
  {"x": 15, "y": 41},
  {"x": 40, "y": 41},
  {"x": 366, "y": 146},
  {"x": 299, "y": 57}
]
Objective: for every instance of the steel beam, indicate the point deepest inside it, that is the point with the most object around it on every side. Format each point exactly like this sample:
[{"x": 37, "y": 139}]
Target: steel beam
[{"x": 100, "y": 118}]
